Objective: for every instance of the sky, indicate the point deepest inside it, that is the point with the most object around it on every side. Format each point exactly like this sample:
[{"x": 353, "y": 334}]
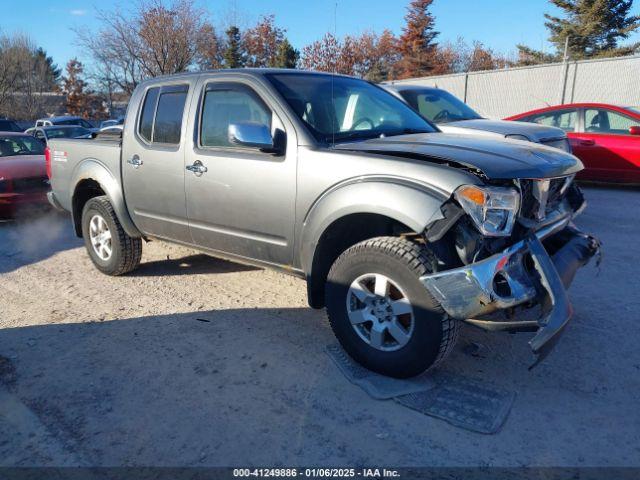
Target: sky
[{"x": 499, "y": 24}]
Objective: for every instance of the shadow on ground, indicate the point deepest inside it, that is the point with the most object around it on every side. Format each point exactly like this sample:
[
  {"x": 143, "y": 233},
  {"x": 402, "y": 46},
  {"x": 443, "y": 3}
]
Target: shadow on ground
[{"x": 197, "y": 264}]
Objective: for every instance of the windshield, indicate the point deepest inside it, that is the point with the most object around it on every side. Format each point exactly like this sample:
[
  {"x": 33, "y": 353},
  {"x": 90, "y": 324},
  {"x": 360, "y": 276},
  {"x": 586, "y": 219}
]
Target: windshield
[
  {"x": 359, "y": 110},
  {"x": 9, "y": 126},
  {"x": 634, "y": 109},
  {"x": 20, "y": 145},
  {"x": 439, "y": 106},
  {"x": 67, "y": 132}
]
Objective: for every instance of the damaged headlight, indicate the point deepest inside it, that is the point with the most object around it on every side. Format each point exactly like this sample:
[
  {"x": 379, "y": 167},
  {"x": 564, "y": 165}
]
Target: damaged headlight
[{"x": 492, "y": 209}]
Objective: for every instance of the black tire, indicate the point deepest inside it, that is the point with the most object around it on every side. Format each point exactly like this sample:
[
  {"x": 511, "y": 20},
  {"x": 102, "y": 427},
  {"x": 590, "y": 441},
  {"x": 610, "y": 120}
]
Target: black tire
[
  {"x": 126, "y": 251},
  {"x": 403, "y": 262}
]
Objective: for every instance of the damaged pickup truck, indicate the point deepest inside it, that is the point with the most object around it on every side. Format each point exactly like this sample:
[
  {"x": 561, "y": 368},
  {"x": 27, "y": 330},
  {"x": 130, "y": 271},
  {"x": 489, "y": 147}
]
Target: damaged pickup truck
[{"x": 402, "y": 232}]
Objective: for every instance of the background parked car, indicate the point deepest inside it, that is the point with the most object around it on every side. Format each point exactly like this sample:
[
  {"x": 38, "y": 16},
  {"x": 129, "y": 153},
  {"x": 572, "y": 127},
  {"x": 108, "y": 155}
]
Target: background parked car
[
  {"x": 63, "y": 120},
  {"x": 113, "y": 130},
  {"x": 605, "y": 137},
  {"x": 452, "y": 115},
  {"x": 44, "y": 134},
  {"x": 7, "y": 125},
  {"x": 111, "y": 122},
  {"x": 23, "y": 178}
]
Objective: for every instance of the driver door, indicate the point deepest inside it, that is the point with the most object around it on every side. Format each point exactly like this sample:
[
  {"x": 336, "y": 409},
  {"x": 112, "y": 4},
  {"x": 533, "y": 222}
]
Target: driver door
[{"x": 242, "y": 200}]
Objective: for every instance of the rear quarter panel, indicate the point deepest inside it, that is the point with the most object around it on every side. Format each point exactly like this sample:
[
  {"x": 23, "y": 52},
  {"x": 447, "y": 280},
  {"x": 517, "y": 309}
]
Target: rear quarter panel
[{"x": 73, "y": 160}]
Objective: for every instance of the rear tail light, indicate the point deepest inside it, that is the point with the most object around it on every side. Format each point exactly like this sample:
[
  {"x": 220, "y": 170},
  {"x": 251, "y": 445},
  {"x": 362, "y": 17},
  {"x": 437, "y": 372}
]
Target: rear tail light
[{"x": 47, "y": 159}]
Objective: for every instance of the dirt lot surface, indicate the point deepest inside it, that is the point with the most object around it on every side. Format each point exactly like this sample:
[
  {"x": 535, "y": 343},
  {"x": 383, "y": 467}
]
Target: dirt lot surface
[{"x": 194, "y": 361}]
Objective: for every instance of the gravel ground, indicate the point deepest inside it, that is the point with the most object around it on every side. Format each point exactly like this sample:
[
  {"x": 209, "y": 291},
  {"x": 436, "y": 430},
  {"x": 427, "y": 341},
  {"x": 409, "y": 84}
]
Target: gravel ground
[{"x": 194, "y": 361}]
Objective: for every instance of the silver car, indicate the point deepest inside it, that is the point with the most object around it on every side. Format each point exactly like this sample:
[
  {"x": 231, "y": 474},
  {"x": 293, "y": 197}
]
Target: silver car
[
  {"x": 402, "y": 232},
  {"x": 451, "y": 115}
]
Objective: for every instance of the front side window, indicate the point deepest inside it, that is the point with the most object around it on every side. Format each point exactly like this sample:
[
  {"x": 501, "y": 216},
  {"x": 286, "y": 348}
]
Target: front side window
[
  {"x": 224, "y": 106},
  {"x": 598, "y": 120},
  {"x": 439, "y": 106},
  {"x": 337, "y": 108},
  {"x": 564, "y": 119},
  {"x": 162, "y": 112}
]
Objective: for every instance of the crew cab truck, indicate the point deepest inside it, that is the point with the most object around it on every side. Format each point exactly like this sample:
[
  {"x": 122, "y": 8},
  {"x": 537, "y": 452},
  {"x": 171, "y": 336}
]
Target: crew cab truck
[{"x": 402, "y": 232}]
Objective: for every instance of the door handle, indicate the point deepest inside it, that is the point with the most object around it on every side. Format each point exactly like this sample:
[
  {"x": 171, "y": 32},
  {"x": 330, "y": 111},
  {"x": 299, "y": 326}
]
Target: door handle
[
  {"x": 136, "y": 161},
  {"x": 197, "y": 168},
  {"x": 587, "y": 143}
]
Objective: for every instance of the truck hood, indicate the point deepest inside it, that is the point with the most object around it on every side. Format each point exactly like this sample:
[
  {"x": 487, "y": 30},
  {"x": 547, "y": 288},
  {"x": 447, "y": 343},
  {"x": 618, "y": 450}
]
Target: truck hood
[
  {"x": 495, "y": 159},
  {"x": 22, "y": 166},
  {"x": 534, "y": 132}
]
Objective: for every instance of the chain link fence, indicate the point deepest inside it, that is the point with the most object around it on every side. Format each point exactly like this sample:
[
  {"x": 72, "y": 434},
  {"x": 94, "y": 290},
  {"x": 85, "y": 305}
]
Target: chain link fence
[{"x": 501, "y": 93}]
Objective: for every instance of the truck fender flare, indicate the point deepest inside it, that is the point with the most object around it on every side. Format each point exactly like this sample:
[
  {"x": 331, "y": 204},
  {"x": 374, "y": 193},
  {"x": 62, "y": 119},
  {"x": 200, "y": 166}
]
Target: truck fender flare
[
  {"x": 93, "y": 169},
  {"x": 415, "y": 205}
]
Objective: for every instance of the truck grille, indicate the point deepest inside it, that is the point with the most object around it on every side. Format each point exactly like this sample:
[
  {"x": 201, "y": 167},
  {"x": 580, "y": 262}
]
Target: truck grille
[
  {"x": 30, "y": 185},
  {"x": 559, "y": 143},
  {"x": 540, "y": 197}
]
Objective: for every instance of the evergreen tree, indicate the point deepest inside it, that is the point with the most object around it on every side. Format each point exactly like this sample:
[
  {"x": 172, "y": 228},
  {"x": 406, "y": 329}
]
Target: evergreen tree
[
  {"x": 286, "y": 55},
  {"x": 51, "y": 71},
  {"x": 594, "y": 28},
  {"x": 233, "y": 55},
  {"x": 417, "y": 42}
]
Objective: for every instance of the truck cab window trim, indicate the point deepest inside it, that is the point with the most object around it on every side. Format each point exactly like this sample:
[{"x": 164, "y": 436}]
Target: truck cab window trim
[
  {"x": 216, "y": 86},
  {"x": 161, "y": 89}
]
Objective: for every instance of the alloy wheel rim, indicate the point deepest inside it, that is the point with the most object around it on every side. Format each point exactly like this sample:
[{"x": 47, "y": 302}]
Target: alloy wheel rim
[
  {"x": 380, "y": 312},
  {"x": 100, "y": 237}
]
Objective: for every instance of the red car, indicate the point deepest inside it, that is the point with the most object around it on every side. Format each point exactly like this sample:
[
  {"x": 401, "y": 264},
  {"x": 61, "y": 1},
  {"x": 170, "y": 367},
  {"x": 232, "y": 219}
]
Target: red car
[
  {"x": 605, "y": 137},
  {"x": 23, "y": 177}
]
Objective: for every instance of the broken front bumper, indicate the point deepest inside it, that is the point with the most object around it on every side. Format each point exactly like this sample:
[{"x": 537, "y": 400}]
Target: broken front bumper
[{"x": 524, "y": 273}]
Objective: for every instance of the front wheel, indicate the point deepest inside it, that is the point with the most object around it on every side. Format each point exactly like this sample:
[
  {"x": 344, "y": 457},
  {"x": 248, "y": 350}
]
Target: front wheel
[
  {"x": 111, "y": 250},
  {"x": 381, "y": 313}
]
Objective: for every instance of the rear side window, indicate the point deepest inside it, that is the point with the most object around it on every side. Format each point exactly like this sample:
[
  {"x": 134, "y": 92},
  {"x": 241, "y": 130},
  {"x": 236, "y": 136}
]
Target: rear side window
[
  {"x": 148, "y": 110},
  {"x": 224, "y": 106},
  {"x": 169, "y": 117},
  {"x": 564, "y": 119},
  {"x": 162, "y": 112}
]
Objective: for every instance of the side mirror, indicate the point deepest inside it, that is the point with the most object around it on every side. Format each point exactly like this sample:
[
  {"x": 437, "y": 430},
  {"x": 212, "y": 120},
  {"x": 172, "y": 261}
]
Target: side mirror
[
  {"x": 635, "y": 130},
  {"x": 251, "y": 134}
]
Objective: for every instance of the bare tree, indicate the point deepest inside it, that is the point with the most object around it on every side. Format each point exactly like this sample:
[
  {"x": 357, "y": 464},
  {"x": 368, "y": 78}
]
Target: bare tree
[
  {"x": 461, "y": 57},
  {"x": 369, "y": 55},
  {"x": 157, "y": 38}
]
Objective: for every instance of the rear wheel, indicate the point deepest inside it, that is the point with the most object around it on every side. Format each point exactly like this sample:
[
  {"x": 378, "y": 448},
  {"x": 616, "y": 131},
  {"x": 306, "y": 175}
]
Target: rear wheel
[
  {"x": 111, "y": 250},
  {"x": 382, "y": 314}
]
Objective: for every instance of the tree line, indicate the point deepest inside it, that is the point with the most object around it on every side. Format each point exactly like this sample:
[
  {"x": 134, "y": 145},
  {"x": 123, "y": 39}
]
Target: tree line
[{"x": 169, "y": 36}]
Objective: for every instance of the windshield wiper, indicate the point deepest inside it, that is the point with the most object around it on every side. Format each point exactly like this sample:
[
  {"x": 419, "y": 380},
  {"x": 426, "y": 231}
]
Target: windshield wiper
[
  {"x": 407, "y": 131},
  {"x": 356, "y": 135}
]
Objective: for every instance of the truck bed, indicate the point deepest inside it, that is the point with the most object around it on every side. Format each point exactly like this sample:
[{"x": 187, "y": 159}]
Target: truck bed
[{"x": 69, "y": 155}]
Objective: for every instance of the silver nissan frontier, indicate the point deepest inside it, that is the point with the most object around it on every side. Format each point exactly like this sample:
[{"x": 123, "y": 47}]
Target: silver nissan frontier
[{"x": 401, "y": 232}]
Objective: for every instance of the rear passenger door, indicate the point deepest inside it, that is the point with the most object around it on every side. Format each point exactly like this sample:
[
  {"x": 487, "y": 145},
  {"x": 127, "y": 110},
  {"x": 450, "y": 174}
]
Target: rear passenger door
[
  {"x": 153, "y": 162},
  {"x": 244, "y": 203}
]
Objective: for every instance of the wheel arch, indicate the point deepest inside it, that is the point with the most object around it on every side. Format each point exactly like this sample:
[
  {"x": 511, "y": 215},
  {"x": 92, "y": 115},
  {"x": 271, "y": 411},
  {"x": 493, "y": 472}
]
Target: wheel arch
[
  {"x": 91, "y": 179},
  {"x": 359, "y": 211}
]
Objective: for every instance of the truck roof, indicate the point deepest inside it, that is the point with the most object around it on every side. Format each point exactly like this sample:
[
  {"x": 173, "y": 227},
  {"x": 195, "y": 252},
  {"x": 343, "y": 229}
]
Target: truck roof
[{"x": 254, "y": 72}]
